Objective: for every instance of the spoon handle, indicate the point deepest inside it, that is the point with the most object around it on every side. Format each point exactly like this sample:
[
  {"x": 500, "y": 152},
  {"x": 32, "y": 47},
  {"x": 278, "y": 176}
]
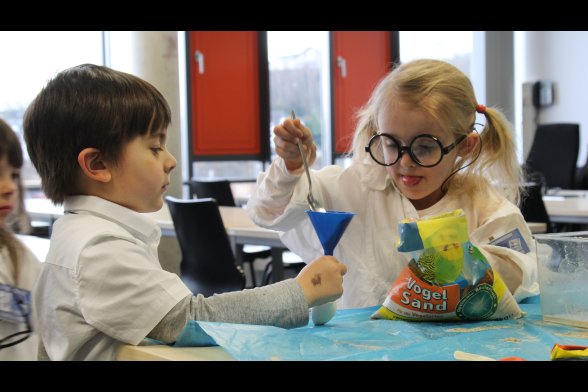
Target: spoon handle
[{"x": 303, "y": 156}]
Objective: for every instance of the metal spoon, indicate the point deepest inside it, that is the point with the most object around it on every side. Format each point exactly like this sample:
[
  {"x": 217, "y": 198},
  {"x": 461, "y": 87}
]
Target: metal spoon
[{"x": 312, "y": 202}]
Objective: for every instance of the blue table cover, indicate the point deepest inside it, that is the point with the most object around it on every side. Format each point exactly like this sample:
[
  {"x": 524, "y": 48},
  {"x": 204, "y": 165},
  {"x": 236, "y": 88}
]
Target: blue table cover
[{"x": 352, "y": 335}]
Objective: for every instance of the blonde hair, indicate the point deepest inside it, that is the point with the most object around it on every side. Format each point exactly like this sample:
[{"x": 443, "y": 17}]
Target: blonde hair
[{"x": 446, "y": 94}]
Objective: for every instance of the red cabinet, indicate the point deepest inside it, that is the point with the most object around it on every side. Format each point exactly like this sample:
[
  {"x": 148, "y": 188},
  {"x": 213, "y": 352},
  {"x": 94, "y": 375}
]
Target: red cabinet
[
  {"x": 228, "y": 94},
  {"x": 359, "y": 60}
]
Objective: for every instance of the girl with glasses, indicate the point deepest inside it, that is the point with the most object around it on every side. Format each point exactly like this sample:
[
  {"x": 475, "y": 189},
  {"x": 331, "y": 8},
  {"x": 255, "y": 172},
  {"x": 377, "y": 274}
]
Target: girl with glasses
[{"x": 415, "y": 153}]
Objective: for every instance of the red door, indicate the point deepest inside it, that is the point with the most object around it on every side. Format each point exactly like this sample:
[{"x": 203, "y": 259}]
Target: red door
[
  {"x": 360, "y": 59},
  {"x": 225, "y": 94}
]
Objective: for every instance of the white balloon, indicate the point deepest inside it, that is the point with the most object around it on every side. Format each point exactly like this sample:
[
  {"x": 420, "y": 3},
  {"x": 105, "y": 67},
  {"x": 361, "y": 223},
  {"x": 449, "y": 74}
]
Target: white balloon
[{"x": 323, "y": 313}]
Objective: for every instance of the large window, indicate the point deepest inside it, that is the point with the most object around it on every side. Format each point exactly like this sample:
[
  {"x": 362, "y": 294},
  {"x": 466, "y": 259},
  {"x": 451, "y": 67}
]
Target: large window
[
  {"x": 455, "y": 47},
  {"x": 299, "y": 81},
  {"x": 30, "y": 59}
]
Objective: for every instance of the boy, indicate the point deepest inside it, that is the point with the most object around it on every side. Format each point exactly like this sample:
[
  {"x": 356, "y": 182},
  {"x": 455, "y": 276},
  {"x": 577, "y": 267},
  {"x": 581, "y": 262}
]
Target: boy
[{"x": 97, "y": 137}]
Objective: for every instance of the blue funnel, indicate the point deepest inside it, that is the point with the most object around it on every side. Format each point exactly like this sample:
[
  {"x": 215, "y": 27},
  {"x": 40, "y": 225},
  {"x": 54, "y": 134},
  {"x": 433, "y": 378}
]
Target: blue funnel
[{"x": 329, "y": 227}]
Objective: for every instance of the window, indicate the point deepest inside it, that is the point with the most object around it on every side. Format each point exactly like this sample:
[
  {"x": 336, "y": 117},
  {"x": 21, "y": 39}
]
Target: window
[
  {"x": 455, "y": 47},
  {"x": 299, "y": 81},
  {"x": 31, "y": 59},
  {"x": 464, "y": 49}
]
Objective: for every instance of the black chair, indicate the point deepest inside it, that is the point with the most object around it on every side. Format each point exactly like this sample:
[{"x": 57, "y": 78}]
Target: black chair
[
  {"x": 293, "y": 264},
  {"x": 220, "y": 190},
  {"x": 581, "y": 181},
  {"x": 533, "y": 207},
  {"x": 208, "y": 265},
  {"x": 554, "y": 153}
]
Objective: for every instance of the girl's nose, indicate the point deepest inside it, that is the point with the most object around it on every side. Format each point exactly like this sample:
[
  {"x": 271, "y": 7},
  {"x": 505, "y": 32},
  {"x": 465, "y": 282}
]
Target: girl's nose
[
  {"x": 7, "y": 185},
  {"x": 406, "y": 160}
]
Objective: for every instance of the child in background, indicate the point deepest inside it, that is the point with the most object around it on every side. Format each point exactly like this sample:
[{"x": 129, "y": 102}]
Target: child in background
[
  {"x": 416, "y": 154},
  {"x": 19, "y": 268},
  {"x": 97, "y": 137}
]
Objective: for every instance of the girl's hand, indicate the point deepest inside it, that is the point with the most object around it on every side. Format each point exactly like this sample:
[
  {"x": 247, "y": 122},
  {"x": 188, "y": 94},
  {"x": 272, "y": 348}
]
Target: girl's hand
[{"x": 286, "y": 137}]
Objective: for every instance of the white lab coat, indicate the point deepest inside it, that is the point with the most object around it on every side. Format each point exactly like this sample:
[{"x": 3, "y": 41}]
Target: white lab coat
[{"x": 368, "y": 247}]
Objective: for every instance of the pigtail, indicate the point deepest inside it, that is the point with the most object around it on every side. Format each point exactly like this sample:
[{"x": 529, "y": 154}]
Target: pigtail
[{"x": 498, "y": 160}]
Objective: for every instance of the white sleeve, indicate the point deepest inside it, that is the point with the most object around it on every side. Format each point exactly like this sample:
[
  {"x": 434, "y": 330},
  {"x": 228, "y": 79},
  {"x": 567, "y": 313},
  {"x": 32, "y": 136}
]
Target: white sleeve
[
  {"x": 280, "y": 202},
  {"x": 517, "y": 269},
  {"x": 279, "y": 199}
]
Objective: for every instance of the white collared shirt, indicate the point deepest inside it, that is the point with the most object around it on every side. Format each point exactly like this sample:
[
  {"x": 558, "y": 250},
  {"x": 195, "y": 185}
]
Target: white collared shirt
[
  {"x": 368, "y": 246},
  {"x": 102, "y": 283}
]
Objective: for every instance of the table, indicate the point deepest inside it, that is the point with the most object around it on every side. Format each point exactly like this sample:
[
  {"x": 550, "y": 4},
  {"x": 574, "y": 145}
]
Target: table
[
  {"x": 567, "y": 205},
  {"x": 351, "y": 335},
  {"x": 242, "y": 191},
  {"x": 149, "y": 352},
  {"x": 537, "y": 227},
  {"x": 240, "y": 229}
]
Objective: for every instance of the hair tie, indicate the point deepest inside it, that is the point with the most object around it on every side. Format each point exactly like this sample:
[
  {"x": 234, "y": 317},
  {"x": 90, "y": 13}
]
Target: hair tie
[{"x": 480, "y": 108}]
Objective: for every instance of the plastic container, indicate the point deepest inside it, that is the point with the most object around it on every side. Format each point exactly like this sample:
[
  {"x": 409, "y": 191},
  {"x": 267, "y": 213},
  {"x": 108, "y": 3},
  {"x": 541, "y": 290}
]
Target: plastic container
[{"x": 563, "y": 277}]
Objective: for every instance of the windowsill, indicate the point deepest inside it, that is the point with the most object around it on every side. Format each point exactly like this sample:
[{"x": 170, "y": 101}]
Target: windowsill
[{"x": 34, "y": 183}]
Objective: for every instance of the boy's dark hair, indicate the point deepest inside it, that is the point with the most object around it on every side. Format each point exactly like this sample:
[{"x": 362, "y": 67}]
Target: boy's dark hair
[
  {"x": 88, "y": 106},
  {"x": 10, "y": 146}
]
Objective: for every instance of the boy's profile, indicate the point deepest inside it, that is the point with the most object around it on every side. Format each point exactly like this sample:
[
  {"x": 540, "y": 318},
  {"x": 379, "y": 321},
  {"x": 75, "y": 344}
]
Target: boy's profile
[{"x": 97, "y": 137}]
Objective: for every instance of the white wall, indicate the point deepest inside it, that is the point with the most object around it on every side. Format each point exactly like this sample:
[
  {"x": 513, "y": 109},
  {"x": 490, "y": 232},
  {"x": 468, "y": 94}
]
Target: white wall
[
  {"x": 499, "y": 71},
  {"x": 559, "y": 56},
  {"x": 153, "y": 56}
]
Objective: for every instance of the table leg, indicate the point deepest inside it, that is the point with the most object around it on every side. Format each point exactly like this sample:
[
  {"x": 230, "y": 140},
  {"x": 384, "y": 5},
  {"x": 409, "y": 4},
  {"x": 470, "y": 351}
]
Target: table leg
[
  {"x": 277, "y": 264},
  {"x": 238, "y": 249}
]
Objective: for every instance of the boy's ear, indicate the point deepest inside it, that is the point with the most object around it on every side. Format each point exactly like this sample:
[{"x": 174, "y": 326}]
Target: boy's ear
[
  {"x": 93, "y": 166},
  {"x": 469, "y": 144}
]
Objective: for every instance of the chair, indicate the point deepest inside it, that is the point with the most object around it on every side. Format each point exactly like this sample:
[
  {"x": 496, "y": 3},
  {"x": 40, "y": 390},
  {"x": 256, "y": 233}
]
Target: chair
[
  {"x": 533, "y": 207},
  {"x": 293, "y": 264},
  {"x": 554, "y": 153},
  {"x": 208, "y": 265},
  {"x": 220, "y": 190},
  {"x": 581, "y": 181}
]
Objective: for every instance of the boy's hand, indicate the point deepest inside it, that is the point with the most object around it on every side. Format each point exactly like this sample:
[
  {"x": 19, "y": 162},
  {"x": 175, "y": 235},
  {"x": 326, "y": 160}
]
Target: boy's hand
[
  {"x": 286, "y": 138},
  {"x": 322, "y": 280}
]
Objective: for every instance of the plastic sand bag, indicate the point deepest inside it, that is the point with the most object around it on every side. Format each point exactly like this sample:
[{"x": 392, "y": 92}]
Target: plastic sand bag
[{"x": 447, "y": 278}]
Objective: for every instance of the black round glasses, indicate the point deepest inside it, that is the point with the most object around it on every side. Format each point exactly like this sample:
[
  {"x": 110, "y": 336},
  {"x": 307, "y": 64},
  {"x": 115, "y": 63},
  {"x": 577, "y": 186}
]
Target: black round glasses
[{"x": 425, "y": 150}]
